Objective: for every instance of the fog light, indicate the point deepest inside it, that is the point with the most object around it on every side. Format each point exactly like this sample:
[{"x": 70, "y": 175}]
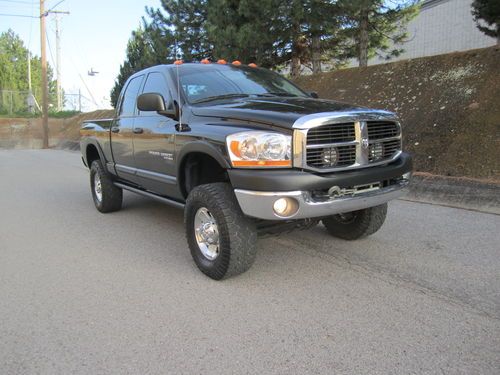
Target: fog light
[
  {"x": 285, "y": 207},
  {"x": 376, "y": 151},
  {"x": 330, "y": 156}
]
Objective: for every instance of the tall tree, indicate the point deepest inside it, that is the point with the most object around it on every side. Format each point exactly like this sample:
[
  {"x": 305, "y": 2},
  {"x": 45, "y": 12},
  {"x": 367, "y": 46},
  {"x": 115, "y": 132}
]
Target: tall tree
[
  {"x": 376, "y": 27},
  {"x": 322, "y": 23},
  {"x": 487, "y": 16},
  {"x": 186, "y": 21},
  {"x": 252, "y": 31}
]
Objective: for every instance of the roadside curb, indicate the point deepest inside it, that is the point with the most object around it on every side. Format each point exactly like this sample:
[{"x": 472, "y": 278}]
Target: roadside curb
[{"x": 464, "y": 193}]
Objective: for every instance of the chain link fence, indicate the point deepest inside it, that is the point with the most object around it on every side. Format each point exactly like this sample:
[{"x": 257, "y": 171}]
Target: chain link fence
[{"x": 14, "y": 102}]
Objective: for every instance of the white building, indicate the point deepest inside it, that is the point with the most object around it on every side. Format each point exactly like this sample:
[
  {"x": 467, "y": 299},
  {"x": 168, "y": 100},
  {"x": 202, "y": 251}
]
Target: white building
[{"x": 442, "y": 26}]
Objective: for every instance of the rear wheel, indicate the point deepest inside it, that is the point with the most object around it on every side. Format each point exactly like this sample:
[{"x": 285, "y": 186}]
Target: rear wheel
[
  {"x": 107, "y": 197},
  {"x": 356, "y": 224},
  {"x": 221, "y": 238}
]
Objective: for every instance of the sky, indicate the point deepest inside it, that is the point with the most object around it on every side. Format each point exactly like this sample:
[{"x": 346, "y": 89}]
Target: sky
[{"x": 93, "y": 36}]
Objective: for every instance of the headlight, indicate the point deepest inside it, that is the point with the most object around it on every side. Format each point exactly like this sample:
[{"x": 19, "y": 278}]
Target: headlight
[{"x": 260, "y": 149}]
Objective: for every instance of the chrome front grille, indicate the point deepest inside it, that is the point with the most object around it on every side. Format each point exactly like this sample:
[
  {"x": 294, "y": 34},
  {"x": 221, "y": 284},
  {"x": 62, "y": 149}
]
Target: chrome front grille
[
  {"x": 328, "y": 157},
  {"x": 382, "y": 129},
  {"x": 332, "y": 133},
  {"x": 332, "y": 145}
]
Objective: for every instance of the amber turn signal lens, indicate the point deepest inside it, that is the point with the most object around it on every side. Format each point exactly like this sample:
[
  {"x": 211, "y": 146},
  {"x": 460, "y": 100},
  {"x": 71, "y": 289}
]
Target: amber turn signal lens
[
  {"x": 262, "y": 163},
  {"x": 235, "y": 148}
]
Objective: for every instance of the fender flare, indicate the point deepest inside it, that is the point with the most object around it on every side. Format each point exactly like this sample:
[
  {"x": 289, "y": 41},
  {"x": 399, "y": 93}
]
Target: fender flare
[
  {"x": 199, "y": 147},
  {"x": 96, "y": 144},
  {"x": 203, "y": 148}
]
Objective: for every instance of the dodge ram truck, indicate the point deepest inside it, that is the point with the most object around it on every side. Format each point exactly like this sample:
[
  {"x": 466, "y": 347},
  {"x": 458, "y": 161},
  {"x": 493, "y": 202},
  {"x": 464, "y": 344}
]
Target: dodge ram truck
[{"x": 245, "y": 153}]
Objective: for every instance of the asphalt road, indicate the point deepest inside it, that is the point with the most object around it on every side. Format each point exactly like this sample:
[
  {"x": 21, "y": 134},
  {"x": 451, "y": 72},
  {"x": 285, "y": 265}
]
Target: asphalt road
[{"x": 87, "y": 293}]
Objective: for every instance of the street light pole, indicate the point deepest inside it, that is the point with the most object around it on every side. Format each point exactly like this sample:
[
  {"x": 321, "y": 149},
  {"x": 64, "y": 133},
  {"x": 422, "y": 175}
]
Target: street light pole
[
  {"x": 45, "y": 88},
  {"x": 58, "y": 58}
]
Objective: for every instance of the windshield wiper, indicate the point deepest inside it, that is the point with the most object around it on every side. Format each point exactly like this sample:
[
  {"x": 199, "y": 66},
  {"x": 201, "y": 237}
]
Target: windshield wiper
[
  {"x": 275, "y": 94},
  {"x": 217, "y": 97}
]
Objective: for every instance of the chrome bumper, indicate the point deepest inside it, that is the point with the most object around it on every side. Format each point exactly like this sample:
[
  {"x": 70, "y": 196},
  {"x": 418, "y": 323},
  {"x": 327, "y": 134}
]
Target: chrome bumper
[{"x": 259, "y": 204}]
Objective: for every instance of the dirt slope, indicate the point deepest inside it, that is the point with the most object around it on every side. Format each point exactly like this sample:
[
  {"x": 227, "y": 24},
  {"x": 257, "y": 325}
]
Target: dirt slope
[
  {"x": 449, "y": 106},
  {"x": 27, "y": 132}
]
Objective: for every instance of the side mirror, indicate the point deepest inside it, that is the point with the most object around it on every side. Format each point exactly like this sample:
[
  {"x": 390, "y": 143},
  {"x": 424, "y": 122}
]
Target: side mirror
[
  {"x": 154, "y": 102},
  {"x": 314, "y": 94}
]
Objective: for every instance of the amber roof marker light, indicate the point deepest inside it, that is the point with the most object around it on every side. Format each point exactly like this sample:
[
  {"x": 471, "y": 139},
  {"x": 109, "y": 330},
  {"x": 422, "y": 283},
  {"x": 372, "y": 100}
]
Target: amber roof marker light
[
  {"x": 222, "y": 62},
  {"x": 252, "y": 65},
  {"x": 178, "y": 62},
  {"x": 205, "y": 61},
  {"x": 236, "y": 62}
]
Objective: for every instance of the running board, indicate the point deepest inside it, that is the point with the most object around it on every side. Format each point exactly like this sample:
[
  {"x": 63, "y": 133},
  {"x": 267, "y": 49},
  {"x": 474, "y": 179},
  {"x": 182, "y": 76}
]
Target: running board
[{"x": 150, "y": 195}]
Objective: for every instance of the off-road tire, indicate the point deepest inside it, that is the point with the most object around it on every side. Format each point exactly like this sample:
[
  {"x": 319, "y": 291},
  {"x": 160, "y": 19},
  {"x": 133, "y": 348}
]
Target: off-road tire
[
  {"x": 112, "y": 196},
  {"x": 358, "y": 224},
  {"x": 237, "y": 233}
]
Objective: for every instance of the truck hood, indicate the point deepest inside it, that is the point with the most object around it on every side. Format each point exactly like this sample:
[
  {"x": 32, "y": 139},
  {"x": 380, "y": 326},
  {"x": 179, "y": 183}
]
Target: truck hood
[{"x": 282, "y": 112}]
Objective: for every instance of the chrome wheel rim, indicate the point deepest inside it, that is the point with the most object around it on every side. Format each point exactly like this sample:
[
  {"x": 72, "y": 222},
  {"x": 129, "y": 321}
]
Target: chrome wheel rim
[
  {"x": 97, "y": 187},
  {"x": 206, "y": 233}
]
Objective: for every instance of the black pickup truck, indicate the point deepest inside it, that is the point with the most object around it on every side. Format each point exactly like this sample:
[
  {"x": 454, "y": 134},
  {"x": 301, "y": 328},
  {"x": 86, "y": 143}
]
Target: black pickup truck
[{"x": 245, "y": 152}]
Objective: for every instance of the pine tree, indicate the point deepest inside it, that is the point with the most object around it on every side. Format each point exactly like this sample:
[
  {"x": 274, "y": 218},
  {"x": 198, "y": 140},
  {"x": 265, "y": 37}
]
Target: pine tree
[
  {"x": 246, "y": 30},
  {"x": 322, "y": 23},
  {"x": 185, "y": 20},
  {"x": 376, "y": 27},
  {"x": 487, "y": 11}
]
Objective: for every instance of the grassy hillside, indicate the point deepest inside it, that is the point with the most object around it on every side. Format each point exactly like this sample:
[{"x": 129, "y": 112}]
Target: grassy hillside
[{"x": 449, "y": 106}]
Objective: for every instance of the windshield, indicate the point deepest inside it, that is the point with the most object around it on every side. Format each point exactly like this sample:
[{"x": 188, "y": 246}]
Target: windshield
[{"x": 207, "y": 83}]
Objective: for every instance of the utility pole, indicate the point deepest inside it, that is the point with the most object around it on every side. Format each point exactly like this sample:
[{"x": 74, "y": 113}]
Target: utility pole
[
  {"x": 45, "y": 88},
  {"x": 58, "y": 58},
  {"x": 29, "y": 73},
  {"x": 58, "y": 63},
  {"x": 30, "y": 100}
]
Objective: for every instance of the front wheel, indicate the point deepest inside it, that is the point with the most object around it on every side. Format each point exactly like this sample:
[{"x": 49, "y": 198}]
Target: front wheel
[
  {"x": 107, "y": 197},
  {"x": 356, "y": 224},
  {"x": 221, "y": 238}
]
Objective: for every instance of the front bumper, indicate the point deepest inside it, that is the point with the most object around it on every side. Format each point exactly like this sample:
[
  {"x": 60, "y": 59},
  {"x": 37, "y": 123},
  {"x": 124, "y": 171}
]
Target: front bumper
[
  {"x": 257, "y": 191},
  {"x": 259, "y": 204}
]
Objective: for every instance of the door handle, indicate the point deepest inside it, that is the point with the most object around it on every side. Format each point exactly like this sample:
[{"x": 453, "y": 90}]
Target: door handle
[
  {"x": 115, "y": 129},
  {"x": 138, "y": 130}
]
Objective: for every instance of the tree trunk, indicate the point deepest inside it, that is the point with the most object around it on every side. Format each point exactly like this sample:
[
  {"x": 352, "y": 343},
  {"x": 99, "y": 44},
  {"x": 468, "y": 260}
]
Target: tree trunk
[
  {"x": 295, "y": 68},
  {"x": 316, "y": 54},
  {"x": 363, "y": 39}
]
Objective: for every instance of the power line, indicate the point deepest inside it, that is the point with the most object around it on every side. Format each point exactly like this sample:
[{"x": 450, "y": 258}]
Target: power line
[
  {"x": 16, "y": 15},
  {"x": 55, "y": 6},
  {"x": 17, "y": 2}
]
